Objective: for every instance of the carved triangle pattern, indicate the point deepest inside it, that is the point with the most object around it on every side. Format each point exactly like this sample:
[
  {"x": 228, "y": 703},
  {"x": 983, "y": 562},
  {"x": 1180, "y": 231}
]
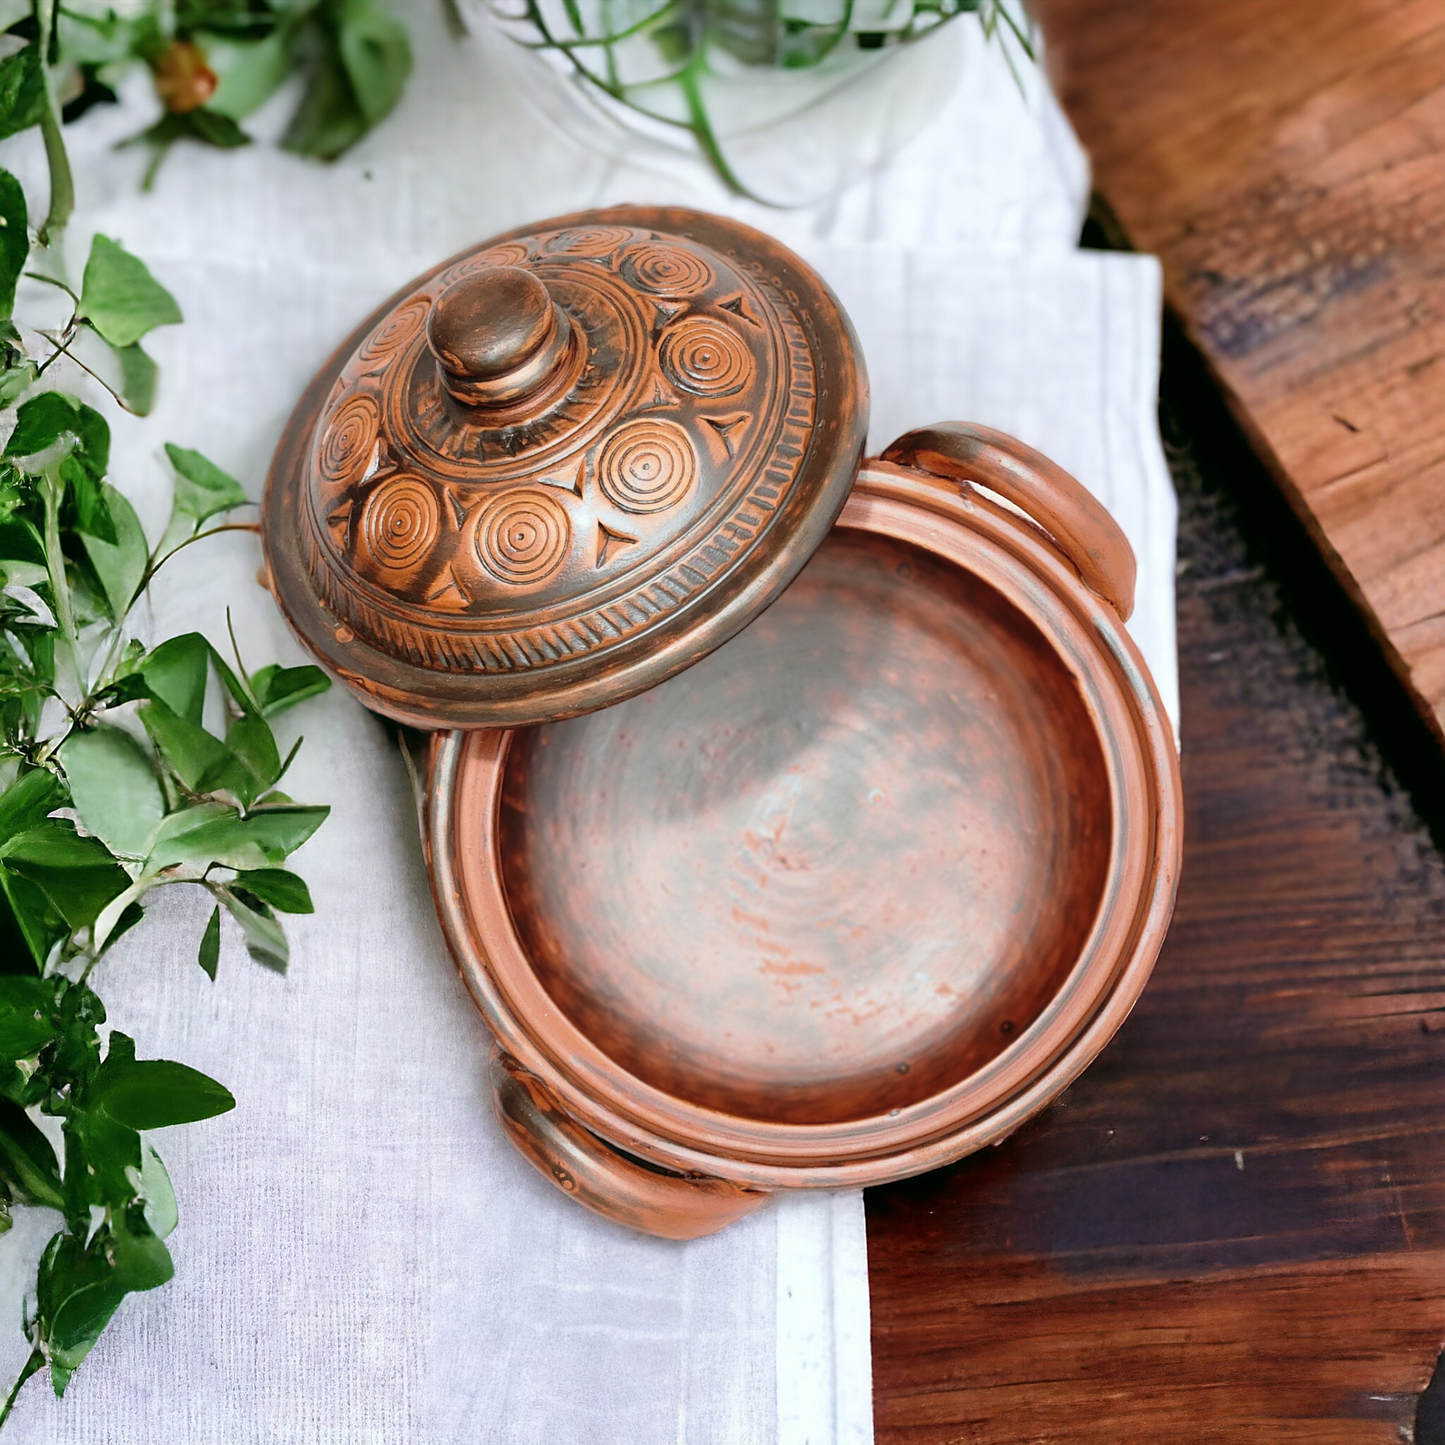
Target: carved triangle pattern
[
  {"x": 739, "y": 308},
  {"x": 725, "y": 426},
  {"x": 565, "y": 484},
  {"x": 609, "y": 541},
  {"x": 447, "y": 586}
]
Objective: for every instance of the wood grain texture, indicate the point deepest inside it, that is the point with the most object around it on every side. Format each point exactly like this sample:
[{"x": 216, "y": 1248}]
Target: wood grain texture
[
  {"x": 1232, "y": 1228},
  {"x": 1286, "y": 160}
]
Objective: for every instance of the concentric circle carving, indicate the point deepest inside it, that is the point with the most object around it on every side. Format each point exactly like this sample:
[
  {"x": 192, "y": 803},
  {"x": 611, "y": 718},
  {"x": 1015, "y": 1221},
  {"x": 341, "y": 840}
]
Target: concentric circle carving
[
  {"x": 590, "y": 241},
  {"x": 647, "y": 465},
  {"x": 350, "y": 439},
  {"x": 510, "y": 253},
  {"x": 667, "y": 270},
  {"x": 401, "y": 522},
  {"x": 706, "y": 357},
  {"x": 398, "y": 328},
  {"x": 523, "y": 536}
]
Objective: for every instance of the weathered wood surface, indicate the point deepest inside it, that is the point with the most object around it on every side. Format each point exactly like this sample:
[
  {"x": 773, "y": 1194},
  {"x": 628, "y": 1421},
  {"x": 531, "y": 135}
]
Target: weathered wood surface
[
  {"x": 1232, "y": 1229},
  {"x": 1286, "y": 159}
]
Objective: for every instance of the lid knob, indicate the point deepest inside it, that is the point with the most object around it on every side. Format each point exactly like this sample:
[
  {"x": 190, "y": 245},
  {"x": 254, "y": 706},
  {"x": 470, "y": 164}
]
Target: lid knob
[{"x": 497, "y": 335}]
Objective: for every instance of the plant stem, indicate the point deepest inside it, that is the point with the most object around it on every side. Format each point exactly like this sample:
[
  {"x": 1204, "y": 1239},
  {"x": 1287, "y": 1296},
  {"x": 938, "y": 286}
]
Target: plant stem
[
  {"x": 35, "y": 1362},
  {"x": 51, "y": 489},
  {"x": 62, "y": 184},
  {"x": 157, "y": 563},
  {"x": 702, "y": 129},
  {"x": 62, "y": 187}
]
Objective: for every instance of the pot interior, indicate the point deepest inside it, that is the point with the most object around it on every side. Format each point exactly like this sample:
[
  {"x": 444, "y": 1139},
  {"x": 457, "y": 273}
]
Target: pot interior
[{"x": 832, "y": 869}]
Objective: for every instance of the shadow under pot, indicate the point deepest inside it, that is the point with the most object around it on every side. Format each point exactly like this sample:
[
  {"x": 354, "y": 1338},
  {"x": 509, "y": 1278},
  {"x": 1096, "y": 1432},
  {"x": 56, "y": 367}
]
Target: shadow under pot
[{"x": 795, "y": 820}]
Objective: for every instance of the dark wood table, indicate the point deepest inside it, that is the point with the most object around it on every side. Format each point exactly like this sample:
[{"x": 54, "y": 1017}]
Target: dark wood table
[{"x": 1232, "y": 1229}]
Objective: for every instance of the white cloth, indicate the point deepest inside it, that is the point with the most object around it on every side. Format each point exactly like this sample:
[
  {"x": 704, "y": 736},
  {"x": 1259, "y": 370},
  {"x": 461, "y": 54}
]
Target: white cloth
[{"x": 361, "y": 1256}]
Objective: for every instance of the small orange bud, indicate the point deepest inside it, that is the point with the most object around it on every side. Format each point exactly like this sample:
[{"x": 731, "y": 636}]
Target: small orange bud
[{"x": 184, "y": 82}]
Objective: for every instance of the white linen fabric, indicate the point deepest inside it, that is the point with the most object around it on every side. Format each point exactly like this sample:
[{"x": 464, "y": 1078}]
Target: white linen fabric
[{"x": 361, "y": 1256}]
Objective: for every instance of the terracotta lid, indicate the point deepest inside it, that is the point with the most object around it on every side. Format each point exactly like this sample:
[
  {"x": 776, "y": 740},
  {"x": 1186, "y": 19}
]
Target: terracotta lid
[{"x": 564, "y": 465}]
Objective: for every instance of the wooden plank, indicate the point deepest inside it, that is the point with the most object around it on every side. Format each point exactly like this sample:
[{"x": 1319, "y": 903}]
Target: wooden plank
[
  {"x": 1286, "y": 160},
  {"x": 1232, "y": 1228}
]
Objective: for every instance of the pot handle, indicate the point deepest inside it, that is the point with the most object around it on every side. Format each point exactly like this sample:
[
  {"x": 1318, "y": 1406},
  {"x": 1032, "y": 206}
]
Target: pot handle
[
  {"x": 580, "y": 1164},
  {"x": 1077, "y": 521}
]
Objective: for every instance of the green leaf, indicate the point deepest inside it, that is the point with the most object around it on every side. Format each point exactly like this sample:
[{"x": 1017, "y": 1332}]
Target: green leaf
[
  {"x": 78, "y": 1290},
  {"x": 14, "y": 239},
  {"x": 22, "y": 554},
  {"x": 100, "y": 1152},
  {"x": 27, "y": 1160},
  {"x": 214, "y": 128},
  {"x": 209, "y": 833},
  {"x": 41, "y": 422},
  {"x": 277, "y": 688},
  {"x": 114, "y": 787},
  {"x": 278, "y": 887},
  {"x": 158, "y": 1093},
  {"x": 265, "y": 941},
  {"x": 81, "y": 1013},
  {"x": 28, "y": 801},
  {"x": 27, "y": 1004},
  {"x": 92, "y": 439},
  {"x": 28, "y": 923},
  {"x": 77, "y": 875},
  {"x": 138, "y": 377},
  {"x": 375, "y": 53},
  {"x": 23, "y": 97},
  {"x": 119, "y": 296},
  {"x": 16, "y": 379},
  {"x": 175, "y": 674},
  {"x": 252, "y": 745},
  {"x": 209, "y": 955},
  {"x": 130, "y": 915},
  {"x": 120, "y": 567},
  {"x": 202, "y": 488},
  {"x": 195, "y": 756},
  {"x": 91, "y": 514},
  {"x": 53, "y": 417},
  {"x": 206, "y": 125},
  {"x": 255, "y": 73},
  {"x": 153, "y": 1187},
  {"x": 329, "y": 118}
]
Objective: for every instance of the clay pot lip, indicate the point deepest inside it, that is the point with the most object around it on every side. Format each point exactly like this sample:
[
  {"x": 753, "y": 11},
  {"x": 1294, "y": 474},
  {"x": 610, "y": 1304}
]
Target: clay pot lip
[
  {"x": 425, "y": 698},
  {"x": 1137, "y": 742}
]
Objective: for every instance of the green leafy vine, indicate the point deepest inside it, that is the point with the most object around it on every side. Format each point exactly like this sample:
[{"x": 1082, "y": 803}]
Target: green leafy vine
[{"x": 124, "y": 768}]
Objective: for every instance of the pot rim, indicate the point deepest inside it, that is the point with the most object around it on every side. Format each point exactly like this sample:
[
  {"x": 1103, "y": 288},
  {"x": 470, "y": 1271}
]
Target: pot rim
[{"x": 1009, "y": 552}]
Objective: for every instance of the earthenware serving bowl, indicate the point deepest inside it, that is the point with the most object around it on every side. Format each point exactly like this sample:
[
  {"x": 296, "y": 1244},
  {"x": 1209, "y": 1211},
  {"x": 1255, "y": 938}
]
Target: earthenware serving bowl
[{"x": 826, "y": 870}]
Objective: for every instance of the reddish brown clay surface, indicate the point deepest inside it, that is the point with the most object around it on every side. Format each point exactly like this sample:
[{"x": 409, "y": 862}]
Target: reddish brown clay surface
[
  {"x": 599, "y": 1178},
  {"x": 854, "y": 895},
  {"x": 564, "y": 465},
  {"x": 831, "y": 871}
]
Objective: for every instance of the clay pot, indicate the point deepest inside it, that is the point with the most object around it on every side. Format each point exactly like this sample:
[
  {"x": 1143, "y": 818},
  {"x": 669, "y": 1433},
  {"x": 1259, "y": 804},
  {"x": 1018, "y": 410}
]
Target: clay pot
[{"x": 795, "y": 823}]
